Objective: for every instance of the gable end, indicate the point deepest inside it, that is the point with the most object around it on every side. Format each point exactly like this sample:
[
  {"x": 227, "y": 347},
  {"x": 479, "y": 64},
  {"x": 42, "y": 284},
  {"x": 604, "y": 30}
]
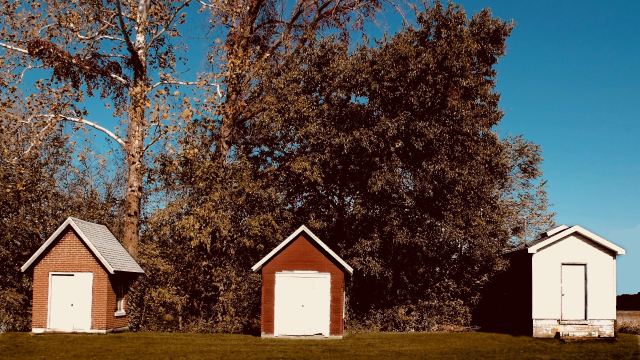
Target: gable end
[{"x": 322, "y": 247}]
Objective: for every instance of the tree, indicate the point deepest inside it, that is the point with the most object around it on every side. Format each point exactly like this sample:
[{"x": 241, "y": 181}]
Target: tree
[
  {"x": 264, "y": 34},
  {"x": 107, "y": 47},
  {"x": 390, "y": 153},
  {"x": 39, "y": 190},
  {"x": 128, "y": 51},
  {"x": 525, "y": 194}
]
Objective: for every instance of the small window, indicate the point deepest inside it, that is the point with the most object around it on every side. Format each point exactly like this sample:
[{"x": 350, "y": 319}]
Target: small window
[{"x": 120, "y": 301}]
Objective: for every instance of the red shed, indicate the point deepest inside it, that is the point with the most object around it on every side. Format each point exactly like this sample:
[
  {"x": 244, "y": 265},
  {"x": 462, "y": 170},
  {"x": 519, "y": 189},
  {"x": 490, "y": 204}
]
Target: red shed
[
  {"x": 80, "y": 279},
  {"x": 303, "y": 285}
]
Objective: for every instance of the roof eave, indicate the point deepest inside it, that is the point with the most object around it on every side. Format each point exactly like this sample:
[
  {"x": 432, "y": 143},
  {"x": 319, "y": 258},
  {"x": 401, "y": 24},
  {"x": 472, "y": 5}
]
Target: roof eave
[
  {"x": 44, "y": 246},
  {"x": 579, "y": 229}
]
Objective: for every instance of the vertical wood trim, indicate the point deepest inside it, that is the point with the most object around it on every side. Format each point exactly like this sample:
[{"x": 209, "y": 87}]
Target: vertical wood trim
[
  {"x": 49, "y": 302},
  {"x": 586, "y": 294}
]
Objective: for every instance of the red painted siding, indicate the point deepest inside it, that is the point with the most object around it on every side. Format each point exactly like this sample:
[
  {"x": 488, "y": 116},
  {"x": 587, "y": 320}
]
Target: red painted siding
[
  {"x": 302, "y": 255},
  {"x": 69, "y": 254}
]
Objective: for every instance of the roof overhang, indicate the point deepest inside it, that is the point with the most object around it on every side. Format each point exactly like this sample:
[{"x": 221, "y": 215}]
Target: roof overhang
[
  {"x": 566, "y": 231},
  {"x": 52, "y": 238},
  {"x": 294, "y": 236}
]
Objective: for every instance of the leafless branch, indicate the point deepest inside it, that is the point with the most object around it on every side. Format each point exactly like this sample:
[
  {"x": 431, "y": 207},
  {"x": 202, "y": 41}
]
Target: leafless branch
[
  {"x": 6, "y": 46},
  {"x": 185, "y": 83},
  {"x": 116, "y": 56},
  {"x": 205, "y": 4},
  {"x": 97, "y": 38},
  {"x": 88, "y": 123},
  {"x": 155, "y": 139},
  {"x": 29, "y": 67},
  {"x": 45, "y": 27},
  {"x": 121, "y": 80}
]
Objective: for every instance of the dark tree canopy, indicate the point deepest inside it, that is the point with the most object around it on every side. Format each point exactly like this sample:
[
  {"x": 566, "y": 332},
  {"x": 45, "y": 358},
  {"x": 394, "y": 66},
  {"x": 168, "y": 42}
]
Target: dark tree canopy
[{"x": 388, "y": 152}]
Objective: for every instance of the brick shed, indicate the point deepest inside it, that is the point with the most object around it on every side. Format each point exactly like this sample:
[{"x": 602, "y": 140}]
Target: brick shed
[
  {"x": 80, "y": 279},
  {"x": 303, "y": 286}
]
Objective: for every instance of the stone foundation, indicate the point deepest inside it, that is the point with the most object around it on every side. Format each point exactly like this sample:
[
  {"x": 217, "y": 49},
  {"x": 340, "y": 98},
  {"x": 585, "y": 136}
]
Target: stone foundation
[{"x": 549, "y": 328}]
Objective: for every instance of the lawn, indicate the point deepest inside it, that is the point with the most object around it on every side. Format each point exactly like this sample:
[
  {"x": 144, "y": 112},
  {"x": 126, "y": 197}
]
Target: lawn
[{"x": 358, "y": 346}]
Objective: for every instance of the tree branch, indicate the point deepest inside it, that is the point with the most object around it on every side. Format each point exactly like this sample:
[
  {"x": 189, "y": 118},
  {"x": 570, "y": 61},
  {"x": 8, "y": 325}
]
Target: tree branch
[
  {"x": 29, "y": 67},
  {"x": 123, "y": 29},
  {"x": 205, "y": 4},
  {"x": 6, "y": 46},
  {"x": 164, "y": 29},
  {"x": 107, "y": 24},
  {"x": 121, "y": 80},
  {"x": 154, "y": 140},
  {"x": 96, "y": 38},
  {"x": 88, "y": 123},
  {"x": 185, "y": 83}
]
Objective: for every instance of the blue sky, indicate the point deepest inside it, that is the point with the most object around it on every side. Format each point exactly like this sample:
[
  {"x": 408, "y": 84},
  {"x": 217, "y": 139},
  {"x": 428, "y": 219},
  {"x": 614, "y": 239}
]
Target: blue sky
[{"x": 571, "y": 83}]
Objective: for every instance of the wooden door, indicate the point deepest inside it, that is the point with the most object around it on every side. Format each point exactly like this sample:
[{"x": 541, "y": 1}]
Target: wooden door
[
  {"x": 302, "y": 303},
  {"x": 574, "y": 292},
  {"x": 70, "y": 298}
]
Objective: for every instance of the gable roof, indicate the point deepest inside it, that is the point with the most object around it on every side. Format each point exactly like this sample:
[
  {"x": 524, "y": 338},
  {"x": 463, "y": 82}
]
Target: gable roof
[
  {"x": 290, "y": 239},
  {"x": 551, "y": 236},
  {"x": 99, "y": 240}
]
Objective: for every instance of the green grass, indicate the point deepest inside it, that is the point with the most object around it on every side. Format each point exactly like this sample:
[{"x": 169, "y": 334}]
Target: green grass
[{"x": 359, "y": 346}]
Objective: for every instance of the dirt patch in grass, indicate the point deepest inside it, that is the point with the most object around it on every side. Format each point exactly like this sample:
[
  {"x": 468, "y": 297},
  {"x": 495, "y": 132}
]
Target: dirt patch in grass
[{"x": 357, "y": 346}]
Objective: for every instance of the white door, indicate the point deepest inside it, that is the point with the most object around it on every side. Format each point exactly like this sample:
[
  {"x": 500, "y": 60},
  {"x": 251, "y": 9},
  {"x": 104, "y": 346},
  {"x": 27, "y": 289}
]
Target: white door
[
  {"x": 70, "y": 301},
  {"x": 574, "y": 293},
  {"x": 302, "y": 303}
]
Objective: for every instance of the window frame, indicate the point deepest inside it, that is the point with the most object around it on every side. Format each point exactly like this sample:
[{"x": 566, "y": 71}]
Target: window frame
[{"x": 120, "y": 301}]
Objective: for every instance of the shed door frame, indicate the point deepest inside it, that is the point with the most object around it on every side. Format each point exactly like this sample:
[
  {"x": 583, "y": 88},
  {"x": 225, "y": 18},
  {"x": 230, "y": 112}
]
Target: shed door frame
[
  {"x": 85, "y": 295},
  {"x": 563, "y": 288},
  {"x": 278, "y": 318}
]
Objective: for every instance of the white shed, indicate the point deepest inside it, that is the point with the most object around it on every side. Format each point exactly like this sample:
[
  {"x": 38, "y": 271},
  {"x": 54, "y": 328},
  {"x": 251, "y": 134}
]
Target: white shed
[
  {"x": 573, "y": 283},
  {"x": 563, "y": 284}
]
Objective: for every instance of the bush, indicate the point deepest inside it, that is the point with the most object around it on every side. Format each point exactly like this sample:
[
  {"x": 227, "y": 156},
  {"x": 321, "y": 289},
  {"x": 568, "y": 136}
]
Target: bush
[
  {"x": 628, "y": 328},
  {"x": 14, "y": 312},
  {"x": 424, "y": 317}
]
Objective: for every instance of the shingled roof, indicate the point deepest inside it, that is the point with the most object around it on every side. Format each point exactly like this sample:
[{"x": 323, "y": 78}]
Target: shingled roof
[
  {"x": 100, "y": 241},
  {"x": 547, "y": 234}
]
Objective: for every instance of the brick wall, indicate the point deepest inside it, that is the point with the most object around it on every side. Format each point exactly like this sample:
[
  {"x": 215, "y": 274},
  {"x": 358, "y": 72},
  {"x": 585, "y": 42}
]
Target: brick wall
[
  {"x": 69, "y": 254},
  {"x": 302, "y": 255}
]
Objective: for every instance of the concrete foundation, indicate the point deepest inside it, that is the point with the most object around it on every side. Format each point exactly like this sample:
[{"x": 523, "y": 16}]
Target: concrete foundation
[{"x": 574, "y": 329}]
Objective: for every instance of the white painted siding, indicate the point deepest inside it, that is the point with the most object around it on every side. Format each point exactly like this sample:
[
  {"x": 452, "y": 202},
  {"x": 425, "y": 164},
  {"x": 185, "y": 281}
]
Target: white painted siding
[{"x": 547, "y": 272}]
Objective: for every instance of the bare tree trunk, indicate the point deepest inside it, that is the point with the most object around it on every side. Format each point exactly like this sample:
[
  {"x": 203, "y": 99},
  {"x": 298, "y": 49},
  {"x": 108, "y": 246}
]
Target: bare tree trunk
[
  {"x": 134, "y": 184},
  {"x": 135, "y": 153},
  {"x": 137, "y": 132}
]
